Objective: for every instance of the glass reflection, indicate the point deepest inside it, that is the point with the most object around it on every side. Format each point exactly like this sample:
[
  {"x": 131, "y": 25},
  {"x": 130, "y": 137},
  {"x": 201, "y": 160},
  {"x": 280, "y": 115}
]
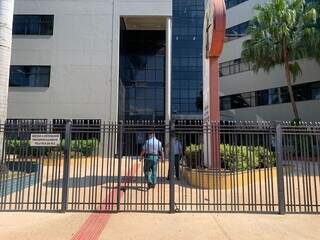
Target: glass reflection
[
  {"x": 142, "y": 74},
  {"x": 187, "y": 26}
]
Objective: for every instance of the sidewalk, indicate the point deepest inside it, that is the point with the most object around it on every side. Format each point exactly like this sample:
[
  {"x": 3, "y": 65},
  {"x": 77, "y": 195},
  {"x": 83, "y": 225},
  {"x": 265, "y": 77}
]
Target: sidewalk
[{"x": 140, "y": 226}]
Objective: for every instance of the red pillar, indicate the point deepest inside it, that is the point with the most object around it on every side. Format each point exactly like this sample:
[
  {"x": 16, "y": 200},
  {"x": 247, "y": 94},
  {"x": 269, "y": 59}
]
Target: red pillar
[
  {"x": 215, "y": 112},
  {"x": 214, "y": 90},
  {"x": 217, "y": 28}
]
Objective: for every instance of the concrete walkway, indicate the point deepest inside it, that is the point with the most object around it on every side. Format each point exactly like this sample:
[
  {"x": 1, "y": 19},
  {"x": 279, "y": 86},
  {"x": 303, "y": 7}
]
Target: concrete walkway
[{"x": 50, "y": 226}]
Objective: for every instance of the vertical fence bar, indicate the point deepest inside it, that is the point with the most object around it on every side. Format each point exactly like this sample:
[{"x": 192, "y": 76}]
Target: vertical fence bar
[
  {"x": 280, "y": 177},
  {"x": 120, "y": 142},
  {"x": 67, "y": 149},
  {"x": 171, "y": 168}
]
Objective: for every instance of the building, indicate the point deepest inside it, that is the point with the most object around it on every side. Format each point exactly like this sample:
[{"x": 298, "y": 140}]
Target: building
[
  {"x": 115, "y": 60},
  {"x": 262, "y": 96},
  {"x": 67, "y": 62},
  {"x": 106, "y": 59}
]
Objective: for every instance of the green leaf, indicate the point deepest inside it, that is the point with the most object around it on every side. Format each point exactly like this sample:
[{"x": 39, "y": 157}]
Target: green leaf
[{"x": 295, "y": 70}]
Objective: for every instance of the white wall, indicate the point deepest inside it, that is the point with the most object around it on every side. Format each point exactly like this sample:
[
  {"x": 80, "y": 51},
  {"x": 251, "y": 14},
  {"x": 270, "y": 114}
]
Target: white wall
[
  {"x": 249, "y": 81},
  {"x": 83, "y": 53}
]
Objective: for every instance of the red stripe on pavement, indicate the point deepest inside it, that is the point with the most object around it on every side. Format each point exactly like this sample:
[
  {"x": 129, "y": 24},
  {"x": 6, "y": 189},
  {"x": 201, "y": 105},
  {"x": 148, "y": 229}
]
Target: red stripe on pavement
[{"x": 96, "y": 222}]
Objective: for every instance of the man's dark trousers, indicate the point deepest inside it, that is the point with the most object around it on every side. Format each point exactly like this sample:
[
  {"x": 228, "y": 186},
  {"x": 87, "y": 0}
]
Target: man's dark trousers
[{"x": 177, "y": 158}]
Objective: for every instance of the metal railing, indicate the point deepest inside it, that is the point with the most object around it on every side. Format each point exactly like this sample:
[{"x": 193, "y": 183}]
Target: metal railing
[
  {"x": 301, "y": 166},
  {"x": 218, "y": 167}
]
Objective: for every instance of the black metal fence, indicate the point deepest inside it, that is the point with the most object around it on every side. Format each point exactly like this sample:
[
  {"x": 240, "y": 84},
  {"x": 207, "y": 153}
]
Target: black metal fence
[{"x": 218, "y": 167}]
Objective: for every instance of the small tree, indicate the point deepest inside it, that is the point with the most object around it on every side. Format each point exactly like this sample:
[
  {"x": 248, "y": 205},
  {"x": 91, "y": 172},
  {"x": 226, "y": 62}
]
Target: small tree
[{"x": 282, "y": 32}]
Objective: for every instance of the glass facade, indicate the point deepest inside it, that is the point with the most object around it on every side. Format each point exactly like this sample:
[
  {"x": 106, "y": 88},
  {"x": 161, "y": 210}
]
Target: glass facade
[
  {"x": 142, "y": 75},
  {"x": 187, "y": 30}
]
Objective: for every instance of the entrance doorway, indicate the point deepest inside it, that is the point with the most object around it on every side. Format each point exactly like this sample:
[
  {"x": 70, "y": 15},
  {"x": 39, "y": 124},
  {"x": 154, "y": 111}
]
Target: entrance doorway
[{"x": 142, "y": 68}]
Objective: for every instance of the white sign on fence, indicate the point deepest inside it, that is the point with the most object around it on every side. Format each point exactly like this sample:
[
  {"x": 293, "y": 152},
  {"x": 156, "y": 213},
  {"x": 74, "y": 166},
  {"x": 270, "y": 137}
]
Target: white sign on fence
[{"x": 45, "y": 140}]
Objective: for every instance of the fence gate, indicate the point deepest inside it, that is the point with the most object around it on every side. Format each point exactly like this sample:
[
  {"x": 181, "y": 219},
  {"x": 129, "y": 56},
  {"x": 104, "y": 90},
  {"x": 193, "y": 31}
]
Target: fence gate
[
  {"x": 105, "y": 172},
  {"x": 134, "y": 193},
  {"x": 301, "y": 167}
]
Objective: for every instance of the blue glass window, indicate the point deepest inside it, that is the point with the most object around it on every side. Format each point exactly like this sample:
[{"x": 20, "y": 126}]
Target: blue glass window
[
  {"x": 29, "y": 76},
  {"x": 33, "y": 24},
  {"x": 310, "y": 1},
  {"x": 315, "y": 91},
  {"x": 233, "y": 67},
  {"x": 267, "y": 97},
  {"x": 237, "y": 31},
  {"x": 232, "y": 3}
]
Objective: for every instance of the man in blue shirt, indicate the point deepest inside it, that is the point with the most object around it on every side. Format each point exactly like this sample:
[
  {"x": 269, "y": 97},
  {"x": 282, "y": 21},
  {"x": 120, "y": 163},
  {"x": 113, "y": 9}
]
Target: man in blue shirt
[{"x": 151, "y": 151}]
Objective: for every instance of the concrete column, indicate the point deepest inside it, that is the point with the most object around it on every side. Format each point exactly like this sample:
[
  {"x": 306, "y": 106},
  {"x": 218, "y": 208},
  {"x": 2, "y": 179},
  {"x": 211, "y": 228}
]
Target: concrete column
[
  {"x": 6, "y": 19},
  {"x": 214, "y": 88},
  {"x": 168, "y": 79}
]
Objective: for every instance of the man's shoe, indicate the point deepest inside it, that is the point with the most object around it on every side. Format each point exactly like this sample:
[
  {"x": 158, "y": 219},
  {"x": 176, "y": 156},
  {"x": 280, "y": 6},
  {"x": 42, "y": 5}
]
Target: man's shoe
[{"x": 167, "y": 178}]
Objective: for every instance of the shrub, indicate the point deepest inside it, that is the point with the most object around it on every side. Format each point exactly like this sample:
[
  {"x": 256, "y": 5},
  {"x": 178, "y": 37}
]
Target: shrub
[
  {"x": 82, "y": 146},
  {"x": 233, "y": 158},
  {"x": 266, "y": 157},
  {"x": 85, "y": 147},
  {"x": 295, "y": 122},
  {"x": 23, "y": 148},
  {"x": 237, "y": 158},
  {"x": 193, "y": 155},
  {"x": 15, "y": 146}
]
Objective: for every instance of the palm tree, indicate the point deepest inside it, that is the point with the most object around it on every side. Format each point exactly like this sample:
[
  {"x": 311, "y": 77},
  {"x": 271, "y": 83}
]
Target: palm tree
[
  {"x": 6, "y": 17},
  {"x": 282, "y": 32}
]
